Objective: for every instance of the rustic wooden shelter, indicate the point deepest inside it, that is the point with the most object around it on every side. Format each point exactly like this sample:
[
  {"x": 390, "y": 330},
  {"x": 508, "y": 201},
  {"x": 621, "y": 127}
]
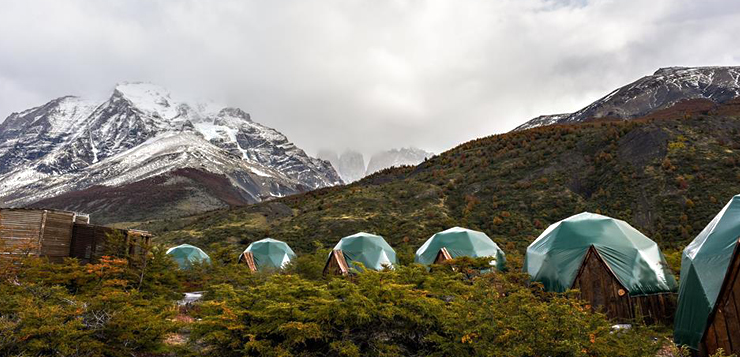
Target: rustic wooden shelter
[
  {"x": 90, "y": 242},
  {"x": 617, "y": 269},
  {"x": 599, "y": 285},
  {"x": 36, "y": 232},
  {"x": 708, "y": 313},
  {"x": 336, "y": 264},
  {"x": 459, "y": 242},
  {"x": 723, "y": 326},
  {"x": 58, "y": 234}
]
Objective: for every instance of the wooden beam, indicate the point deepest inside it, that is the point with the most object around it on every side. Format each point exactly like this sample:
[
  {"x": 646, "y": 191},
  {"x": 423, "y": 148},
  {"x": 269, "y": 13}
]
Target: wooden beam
[
  {"x": 248, "y": 258},
  {"x": 442, "y": 255},
  {"x": 336, "y": 264}
]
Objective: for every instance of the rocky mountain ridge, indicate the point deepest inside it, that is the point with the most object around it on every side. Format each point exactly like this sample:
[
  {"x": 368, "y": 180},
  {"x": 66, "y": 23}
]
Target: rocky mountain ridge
[
  {"x": 141, "y": 131},
  {"x": 662, "y": 89}
]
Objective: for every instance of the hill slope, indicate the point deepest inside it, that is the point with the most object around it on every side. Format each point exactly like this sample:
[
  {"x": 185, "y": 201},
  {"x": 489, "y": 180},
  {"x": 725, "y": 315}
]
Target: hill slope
[{"x": 667, "y": 174}]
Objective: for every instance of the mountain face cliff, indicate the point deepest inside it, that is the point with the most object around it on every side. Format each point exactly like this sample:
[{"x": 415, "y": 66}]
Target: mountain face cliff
[
  {"x": 396, "y": 157},
  {"x": 350, "y": 164},
  {"x": 70, "y": 145},
  {"x": 666, "y": 87}
]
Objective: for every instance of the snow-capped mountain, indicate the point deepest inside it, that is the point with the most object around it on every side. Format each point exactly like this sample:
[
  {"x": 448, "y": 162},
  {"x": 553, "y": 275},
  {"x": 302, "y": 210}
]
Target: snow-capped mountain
[
  {"x": 396, "y": 157},
  {"x": 666, "y": 87},
  {"x": 142, "y": 131},
  {"x": 350, "y": 164}
]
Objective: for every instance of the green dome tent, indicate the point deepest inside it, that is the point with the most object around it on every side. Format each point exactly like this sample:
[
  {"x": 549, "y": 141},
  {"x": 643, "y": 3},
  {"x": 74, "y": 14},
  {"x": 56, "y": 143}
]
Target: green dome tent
[
  {"x": 460, "y": 242},
  {"x": 268, "y": 253},
  {"x": 555, "y": 257},
  {"x": 186, "y": 254},
  {"x": 369, "y": 249},
  {"x": 704, "y": 265}
]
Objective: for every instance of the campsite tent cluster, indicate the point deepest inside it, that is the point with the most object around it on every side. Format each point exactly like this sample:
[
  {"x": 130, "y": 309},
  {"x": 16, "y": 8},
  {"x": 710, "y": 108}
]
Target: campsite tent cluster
[
  {"x": 357, "y": 252},
  {"x": 617, "y": 269}
]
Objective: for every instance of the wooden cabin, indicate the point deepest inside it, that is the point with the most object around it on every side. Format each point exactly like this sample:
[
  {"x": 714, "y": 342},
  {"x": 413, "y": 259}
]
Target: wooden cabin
[
  {"x": 723, "y": 326},
  {"x": 36, "y": 232},
  {"x": 599, "y": 286},
  {"x": 248, "y": 259},
  {"x": 336, "y": 264},
  {"x": 59, "y": 234},
  {"x": 90, "y": 242}
]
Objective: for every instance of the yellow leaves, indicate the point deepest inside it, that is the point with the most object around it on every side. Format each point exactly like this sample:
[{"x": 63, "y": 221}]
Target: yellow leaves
[
  {"x": 592, "y": 338},
  {"x": 469, "y": 338}
]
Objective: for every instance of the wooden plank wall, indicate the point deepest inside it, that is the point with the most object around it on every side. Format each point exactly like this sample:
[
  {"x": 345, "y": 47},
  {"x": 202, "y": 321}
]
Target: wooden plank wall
[
  {"x": 89, "y": 242},
  {"x": 599, "y": 286},
  {"x": 57, "y": 235},
  {"x": 20, "y": 230},
  {"x": 723, "y": 327}
]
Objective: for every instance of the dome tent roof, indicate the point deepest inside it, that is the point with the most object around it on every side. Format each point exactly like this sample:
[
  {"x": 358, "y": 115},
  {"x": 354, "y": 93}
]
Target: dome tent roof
[
  {"x": 704, "y": 264},
  {"x": 270, "y": 253},
  {"x": 555, "y": 257},
  {"x": 369, "y": 249},
  {"x": 460, "y": 242},
  {"x": 186, "y": 254}
]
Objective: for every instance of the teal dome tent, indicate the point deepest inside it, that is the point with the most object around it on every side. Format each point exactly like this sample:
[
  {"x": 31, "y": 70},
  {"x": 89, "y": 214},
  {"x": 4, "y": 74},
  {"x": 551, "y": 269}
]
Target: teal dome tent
[
  {"x": 460, "y": 242},
  {"x": 372, "y": 251},
  {"x": 704, "y": 267},
  {"x": 186, "y": 254},
  {"x": 555, "y": 257},
  {"x": 269, "y": 253}
]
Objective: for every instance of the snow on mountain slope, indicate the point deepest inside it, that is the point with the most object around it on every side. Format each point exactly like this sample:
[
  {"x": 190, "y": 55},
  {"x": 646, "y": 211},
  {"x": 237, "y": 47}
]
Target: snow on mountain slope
[
  {"x": 666, "y": 87},
  {"x": 542, "y": 120},
  {"x": 140, "y": 132}
]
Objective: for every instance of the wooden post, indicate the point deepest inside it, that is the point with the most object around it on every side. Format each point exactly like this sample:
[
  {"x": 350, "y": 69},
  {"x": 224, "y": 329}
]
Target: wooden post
[{"x": 41, "y": 232}]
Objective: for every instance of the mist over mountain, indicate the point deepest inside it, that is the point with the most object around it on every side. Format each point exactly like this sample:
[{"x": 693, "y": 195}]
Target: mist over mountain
[
  {"x": 351, "y": 164},
  {"x": 396, "y": 157}
]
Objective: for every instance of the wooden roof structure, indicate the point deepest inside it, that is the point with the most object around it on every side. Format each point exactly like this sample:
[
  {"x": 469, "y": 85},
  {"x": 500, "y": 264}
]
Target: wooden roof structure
[
  {"x": 723, "y": 327},
  {"x": 599, "y": 286},
  {"x": 336, "y": 264},
  {"x": 442, "y": 255}
]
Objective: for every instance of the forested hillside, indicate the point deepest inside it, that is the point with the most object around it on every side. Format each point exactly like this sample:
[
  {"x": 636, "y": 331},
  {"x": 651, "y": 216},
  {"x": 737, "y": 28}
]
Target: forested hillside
[{"x": 667, "y": 174}]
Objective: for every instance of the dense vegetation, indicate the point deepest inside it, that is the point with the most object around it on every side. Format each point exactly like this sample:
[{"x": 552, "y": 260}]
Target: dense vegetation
[{"x": 113, "y": 308}]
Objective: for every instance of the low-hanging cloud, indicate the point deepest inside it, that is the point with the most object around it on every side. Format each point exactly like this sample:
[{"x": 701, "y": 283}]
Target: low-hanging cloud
[{"x": 367, "y": 75}]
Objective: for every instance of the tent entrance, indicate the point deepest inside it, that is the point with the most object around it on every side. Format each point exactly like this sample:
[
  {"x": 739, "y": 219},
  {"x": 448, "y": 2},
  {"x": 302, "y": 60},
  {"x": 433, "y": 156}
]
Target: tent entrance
[
  {"x": 442, "y": 255},
  {"x": 600, "y": 287},
  {"x": 336, "y": 264},
  {"x": 248, "y": 258},
  {"x": 723, "y": 327}
]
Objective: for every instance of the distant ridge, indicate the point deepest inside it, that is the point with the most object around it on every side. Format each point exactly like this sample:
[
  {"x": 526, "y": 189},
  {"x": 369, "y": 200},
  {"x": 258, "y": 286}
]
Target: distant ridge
[{"x": 664, "y": 88}]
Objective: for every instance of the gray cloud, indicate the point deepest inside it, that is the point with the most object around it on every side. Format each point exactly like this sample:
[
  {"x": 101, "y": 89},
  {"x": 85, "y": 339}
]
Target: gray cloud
[{"x": 363, "y": 74}]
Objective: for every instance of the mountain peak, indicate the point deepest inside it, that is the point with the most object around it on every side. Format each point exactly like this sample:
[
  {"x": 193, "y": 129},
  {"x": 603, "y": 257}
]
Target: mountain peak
[
  {"x": 148, "y": 97},
  {"x": 666, "y": 87}
]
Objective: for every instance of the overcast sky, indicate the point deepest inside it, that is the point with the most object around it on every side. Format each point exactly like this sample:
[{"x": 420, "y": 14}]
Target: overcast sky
[{"x": 368, "y": 75}]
